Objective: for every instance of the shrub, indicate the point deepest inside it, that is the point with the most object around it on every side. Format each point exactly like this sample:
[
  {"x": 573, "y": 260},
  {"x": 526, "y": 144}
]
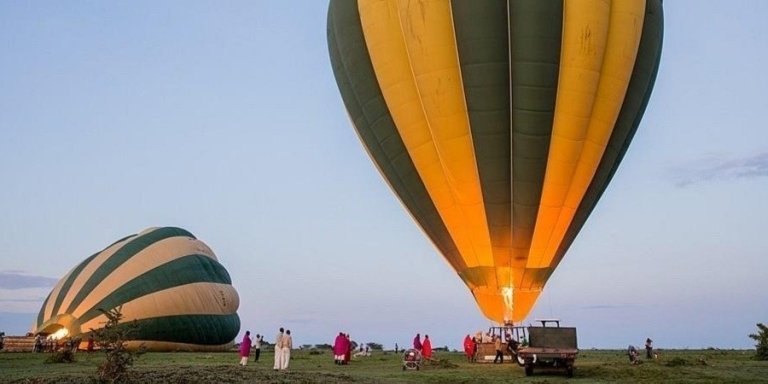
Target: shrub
[
  {"x": 64, "y": 355},
  {"x": 375, "y": 346},
  {"x": 112, "y": 340},
  {"x": 677, "y": 362},
  {"x": 762, "y": 341}
]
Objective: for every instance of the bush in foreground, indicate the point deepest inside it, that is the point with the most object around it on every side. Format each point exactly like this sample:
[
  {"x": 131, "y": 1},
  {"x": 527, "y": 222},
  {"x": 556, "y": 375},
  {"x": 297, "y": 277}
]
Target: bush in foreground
[
  {"x": 762, "y": 341},
  {"x": 112, "y": 340}
]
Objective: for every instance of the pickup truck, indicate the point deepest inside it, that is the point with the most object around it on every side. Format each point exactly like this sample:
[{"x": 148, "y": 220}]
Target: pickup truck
[{"x": 550, "y": 346}]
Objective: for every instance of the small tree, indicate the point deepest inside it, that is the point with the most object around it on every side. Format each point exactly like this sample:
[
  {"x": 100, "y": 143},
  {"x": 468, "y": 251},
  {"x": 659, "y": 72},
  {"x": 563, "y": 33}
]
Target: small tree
[
  {"x": 375, "y": 346},
  {"x": 112, "y": 340},
  {"x": 65, "y": 354},
  {"x": 762, "y": 341}
]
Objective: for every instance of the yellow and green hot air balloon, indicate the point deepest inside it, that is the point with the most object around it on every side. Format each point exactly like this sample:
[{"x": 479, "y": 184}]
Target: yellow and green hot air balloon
[
  {"x": 497, "y": 123},
  {"x": 164, "y": 278}
]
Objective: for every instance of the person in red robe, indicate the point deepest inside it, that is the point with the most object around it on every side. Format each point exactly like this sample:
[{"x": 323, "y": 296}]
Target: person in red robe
[
  {"x": 469, "y": 348},
  {"x": 339, "y": 349},
  {"x": 245, "y": 348},
  {"x": 417, "y": 343},
  {"x": 426, "y": 348},
  {"x": 348, "y": 353}
]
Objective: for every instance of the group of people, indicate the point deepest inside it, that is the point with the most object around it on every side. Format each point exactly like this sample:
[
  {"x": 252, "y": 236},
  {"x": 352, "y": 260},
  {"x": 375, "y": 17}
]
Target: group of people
[
  {"x": 342, "y": 349},
  {"x": 283, "y": 346},
  {"x": 507, "y": 344},
  {"x": 633, "y": 354},
  {"x": 424, "y": 347},
  {"x": 245, "y": 347}
]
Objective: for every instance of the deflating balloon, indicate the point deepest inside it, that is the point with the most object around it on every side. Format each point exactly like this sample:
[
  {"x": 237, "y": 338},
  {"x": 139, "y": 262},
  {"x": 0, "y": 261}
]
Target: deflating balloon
[
  {"x": 164, "y": 278},
  {"x": 498, "y": 124}
]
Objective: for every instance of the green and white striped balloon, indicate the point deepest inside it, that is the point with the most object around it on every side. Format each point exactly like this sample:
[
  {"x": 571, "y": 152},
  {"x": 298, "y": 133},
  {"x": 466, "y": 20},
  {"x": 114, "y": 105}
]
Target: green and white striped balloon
[{"x": 165, "y": 279}]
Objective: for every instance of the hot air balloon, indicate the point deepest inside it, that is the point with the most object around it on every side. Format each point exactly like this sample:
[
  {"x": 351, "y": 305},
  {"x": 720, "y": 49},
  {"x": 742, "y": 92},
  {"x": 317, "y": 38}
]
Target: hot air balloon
[
  {"x": 164, "y": 278},
  {"x": 498, "y": 124}
]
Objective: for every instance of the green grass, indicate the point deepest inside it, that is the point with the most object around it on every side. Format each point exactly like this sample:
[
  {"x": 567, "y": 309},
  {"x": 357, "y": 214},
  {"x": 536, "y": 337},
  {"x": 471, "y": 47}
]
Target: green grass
[{"x": 592, "y": 366}]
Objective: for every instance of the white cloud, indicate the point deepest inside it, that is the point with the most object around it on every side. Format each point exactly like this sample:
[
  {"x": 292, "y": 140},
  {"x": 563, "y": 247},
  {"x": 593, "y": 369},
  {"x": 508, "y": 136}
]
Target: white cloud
[
  {"x": 718, "y": 168},
  {"x": 26, "y": 300},
  {"x": 21, "y": 280}
]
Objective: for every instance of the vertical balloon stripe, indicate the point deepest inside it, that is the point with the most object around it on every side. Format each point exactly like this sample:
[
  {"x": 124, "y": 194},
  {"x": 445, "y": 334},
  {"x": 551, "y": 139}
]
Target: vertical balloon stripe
[
  {"x": 91, "y": 266},
  {"x": 585, "y": 32},
  {"x": 438, "y": 143},
  {"x": 66, "y": 283},
  {"x": 41, "y": 314},
  {"x": 187, "y": 299},
  {"x": 638, "y": 94},
  {"x": 427, "y": 28},
  {"x": 535, "y": 44},
  {"x": 47, "y": 309},
  {"x": 484, "y": 59},
  {"x": 191, "y": 329},
  {"x": 193, "y": 298},
  {"x": 151, "y": 257},
  {"x": 370, "y": 116},
  {"x": 117, "y": 259},
  {"x": 625, "y": 29},
  {"x": 169, "y": 346},
  {"x": 184, "y": 270}
]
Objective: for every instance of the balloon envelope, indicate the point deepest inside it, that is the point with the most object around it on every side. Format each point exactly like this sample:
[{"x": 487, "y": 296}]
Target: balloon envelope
[
  {"x": 164, "y": 278},
  {"x": 498, "y": 124}
]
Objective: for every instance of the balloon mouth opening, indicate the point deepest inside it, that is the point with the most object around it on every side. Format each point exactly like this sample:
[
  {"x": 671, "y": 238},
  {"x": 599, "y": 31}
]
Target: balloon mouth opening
[
  {"x": 507, "y": 294},
  {"x": 59, "y": 334}
]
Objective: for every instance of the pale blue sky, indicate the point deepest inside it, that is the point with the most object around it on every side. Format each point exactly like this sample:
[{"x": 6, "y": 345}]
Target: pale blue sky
[{"x": 224, "y": 118}]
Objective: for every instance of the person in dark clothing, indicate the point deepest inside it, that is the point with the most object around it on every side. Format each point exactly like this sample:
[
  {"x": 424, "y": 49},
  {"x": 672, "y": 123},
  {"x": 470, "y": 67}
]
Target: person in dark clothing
[
  {"x": 648, "y": 348},
  {"x": 499, "y": 352},
  {"x": 257, "y": 346}
]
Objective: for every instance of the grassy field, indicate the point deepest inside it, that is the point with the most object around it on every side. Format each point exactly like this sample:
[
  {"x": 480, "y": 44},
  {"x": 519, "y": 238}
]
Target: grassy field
[{"x": 592, "y": 366}]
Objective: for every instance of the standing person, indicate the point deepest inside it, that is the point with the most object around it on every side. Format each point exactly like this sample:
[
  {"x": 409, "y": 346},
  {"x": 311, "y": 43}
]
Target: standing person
[
  {"x": 512, "y": 344},
  {"x": 338, "y": 349},
  {"x": 257, "y": 347},
  {"x": 348, "y": 349},
  {"x": 38, "y": 344},
  {"x": 245, "y": 348},
  {"x": 286, "y": 350},
  {"x": 499, "y": 353},
  {"x": 426, "y": 348},
  {"x": 648, "y": 348},
  {"x": 469, "y": 346},
  {"x": 278, "y": 350},
  {"x": 396, "y": 348},
  {"x": 417, "y": 342},
  {"x": 89, "y": 348}
]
